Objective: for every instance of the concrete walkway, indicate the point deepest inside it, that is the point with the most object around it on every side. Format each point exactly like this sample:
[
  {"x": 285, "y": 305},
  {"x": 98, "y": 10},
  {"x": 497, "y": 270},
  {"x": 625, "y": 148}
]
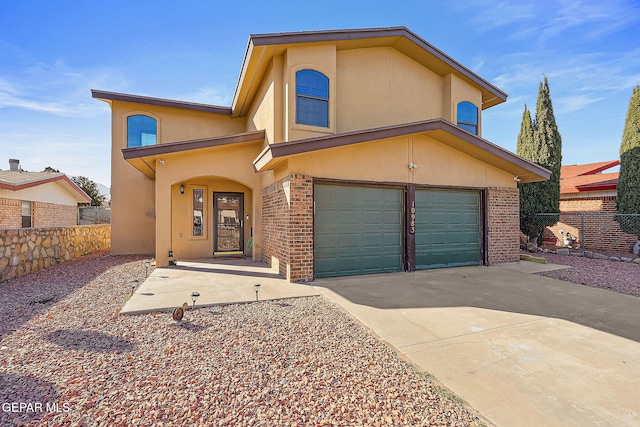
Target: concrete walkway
[
  {"x": 522, "y": 349},
  {"x": 217, "y": 281}
]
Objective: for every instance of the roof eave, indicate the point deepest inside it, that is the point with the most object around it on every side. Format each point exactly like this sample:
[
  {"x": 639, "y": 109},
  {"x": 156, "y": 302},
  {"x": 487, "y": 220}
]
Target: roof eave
[
  {"x": 143, "y": 158},
  {"x": 523, "y": 169},
  {"x": 160, "y": 102}
]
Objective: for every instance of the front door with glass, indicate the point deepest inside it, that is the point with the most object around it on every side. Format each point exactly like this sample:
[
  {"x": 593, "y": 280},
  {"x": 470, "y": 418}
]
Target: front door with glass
[{"x": 228, "y": 230}]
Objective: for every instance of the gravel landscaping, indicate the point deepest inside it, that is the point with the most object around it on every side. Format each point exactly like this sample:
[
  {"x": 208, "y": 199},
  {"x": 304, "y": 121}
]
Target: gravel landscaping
[
  {"x": 623, "y": 277},
  {"x": 68, "y": 358}
]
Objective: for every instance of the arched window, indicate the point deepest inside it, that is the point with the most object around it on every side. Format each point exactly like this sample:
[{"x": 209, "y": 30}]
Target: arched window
[
  {"x": 141, "y": 131},
  {"x": 312, "y": 98},
  {"x": 468, "y": 117}
]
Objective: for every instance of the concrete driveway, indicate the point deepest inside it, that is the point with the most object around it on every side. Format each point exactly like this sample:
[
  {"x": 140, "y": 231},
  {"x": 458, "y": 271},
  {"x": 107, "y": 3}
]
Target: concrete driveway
[{"x": 522, "y": 349}]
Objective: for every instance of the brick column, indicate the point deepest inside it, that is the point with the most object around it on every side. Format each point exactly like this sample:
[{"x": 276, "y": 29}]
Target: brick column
[
  {"x": 503, "y": 225},
  {"x": 287, "y": 227},
  {"x": 301, "y": 228}
]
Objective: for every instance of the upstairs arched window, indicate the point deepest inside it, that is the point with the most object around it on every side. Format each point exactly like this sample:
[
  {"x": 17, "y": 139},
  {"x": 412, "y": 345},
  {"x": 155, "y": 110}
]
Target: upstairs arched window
[
  {"x": 468, "y": 117},
  {"x": 141, "y": 131},
  {"x": 312, "y": 98}
]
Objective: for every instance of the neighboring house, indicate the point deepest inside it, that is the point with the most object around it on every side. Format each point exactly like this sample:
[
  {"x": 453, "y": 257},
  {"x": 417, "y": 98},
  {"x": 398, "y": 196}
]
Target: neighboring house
[
  {"x": 38, "y": 199},
  {"x": 587, "y": 188},
  {"x": 343, "y": 152},
  {"x": 585, "y": 192}
]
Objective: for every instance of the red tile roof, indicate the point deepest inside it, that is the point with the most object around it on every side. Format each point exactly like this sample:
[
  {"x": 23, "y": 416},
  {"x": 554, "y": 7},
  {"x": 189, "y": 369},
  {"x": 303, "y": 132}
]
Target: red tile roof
[{"x": 588, "y": 177}]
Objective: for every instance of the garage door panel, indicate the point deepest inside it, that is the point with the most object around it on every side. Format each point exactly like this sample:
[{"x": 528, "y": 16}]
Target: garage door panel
[
  {"x": 372, "y": 217},
  {"x": 348, "y": 241},
  {"x": 447, "y": 228},
  {"x": 364, "y": 235}
]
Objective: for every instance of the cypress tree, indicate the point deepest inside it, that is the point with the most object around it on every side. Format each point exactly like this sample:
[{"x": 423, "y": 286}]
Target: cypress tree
[
  {"x": 628, "y": 200},
  {"x": 542, "y": 145},
  {"x": 525, "y": 149}
]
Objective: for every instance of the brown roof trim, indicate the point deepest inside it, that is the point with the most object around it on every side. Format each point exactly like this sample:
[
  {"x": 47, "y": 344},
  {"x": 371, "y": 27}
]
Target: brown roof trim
[
  {"x": 284, "y": 149},
  {"x": 179, "y": 146},
  {"x": 366, "y": 33},
  {"x": 138, "y": 99}
]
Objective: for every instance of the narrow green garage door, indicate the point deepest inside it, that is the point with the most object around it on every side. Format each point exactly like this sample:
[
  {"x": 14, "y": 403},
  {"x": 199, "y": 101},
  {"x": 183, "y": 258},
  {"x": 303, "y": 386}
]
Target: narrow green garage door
[
  {"x": 447, "y": 228},
  {"x": 357, "y": 230}
]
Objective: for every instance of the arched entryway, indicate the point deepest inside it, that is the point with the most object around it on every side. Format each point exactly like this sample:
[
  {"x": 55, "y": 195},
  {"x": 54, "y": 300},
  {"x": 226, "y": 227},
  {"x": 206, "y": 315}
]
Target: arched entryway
[{"x": 211, "y": 216}]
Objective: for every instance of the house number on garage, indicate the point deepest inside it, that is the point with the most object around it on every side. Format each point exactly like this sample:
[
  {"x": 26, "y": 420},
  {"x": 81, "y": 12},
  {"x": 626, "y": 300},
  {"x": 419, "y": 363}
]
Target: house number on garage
[{"x": 412, "y": 224}]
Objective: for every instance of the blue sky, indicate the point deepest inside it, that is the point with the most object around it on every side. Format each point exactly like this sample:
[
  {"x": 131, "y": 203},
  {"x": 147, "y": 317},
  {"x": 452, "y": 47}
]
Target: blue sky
[{"x": 52, "y": 53}]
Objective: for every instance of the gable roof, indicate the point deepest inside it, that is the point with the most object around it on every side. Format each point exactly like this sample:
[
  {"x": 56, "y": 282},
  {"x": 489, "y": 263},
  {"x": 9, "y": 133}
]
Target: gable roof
[
  {"x": 588, "y": 177},
  {"x": 439, "y": 129},
  {"x": 262, "y": 47},
  {"x": 15, "y": 181},
  {"x": 586, "y": 169}
]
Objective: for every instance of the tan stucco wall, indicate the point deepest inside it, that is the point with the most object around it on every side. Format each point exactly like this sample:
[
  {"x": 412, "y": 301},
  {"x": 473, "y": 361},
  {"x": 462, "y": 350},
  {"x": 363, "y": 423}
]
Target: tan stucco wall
[
  {"x": 381, "y": 86},
  {"x": 387, "y": 161},
  {"x": 267, "y": 111},
  {"x": 133, "y": 203}
]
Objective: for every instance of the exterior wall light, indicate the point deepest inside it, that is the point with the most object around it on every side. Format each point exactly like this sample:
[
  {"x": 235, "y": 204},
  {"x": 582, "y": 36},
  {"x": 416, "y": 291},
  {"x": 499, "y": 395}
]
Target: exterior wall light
[
  {"x": 181, "y": 188},
  {"x": 412, "y": 166}
]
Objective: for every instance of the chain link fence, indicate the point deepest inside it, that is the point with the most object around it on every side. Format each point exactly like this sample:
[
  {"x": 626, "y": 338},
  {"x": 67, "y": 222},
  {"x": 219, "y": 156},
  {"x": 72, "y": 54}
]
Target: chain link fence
[{"x": 588, "y": 231}]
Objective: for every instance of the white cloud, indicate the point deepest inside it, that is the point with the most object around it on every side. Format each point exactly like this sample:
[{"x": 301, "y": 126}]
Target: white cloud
[
  {"x": 210, "y": 95},
  {"x": 542, "y": 21},
  {"x": 56, "y": 88},
  {"x": 569, "y": 104}
]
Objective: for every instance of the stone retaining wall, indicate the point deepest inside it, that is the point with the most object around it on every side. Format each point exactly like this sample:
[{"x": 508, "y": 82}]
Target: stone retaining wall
[{"x": 24, "y": 250}]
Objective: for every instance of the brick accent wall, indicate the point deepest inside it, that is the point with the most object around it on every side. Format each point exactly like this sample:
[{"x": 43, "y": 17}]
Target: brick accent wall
[
  {"x": 287, "y": 227},
  {"x": 601, "y": 232},
  {"x": 275, "y": 219},
  {"x": 503, "y": 225},
  {"x": 10, "y": 213},
  {"x": 51, "y": 215}
]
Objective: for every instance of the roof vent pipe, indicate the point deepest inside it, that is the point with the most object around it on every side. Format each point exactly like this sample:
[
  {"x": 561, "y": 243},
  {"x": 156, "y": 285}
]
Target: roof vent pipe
[{"x": 14, "y": 165}]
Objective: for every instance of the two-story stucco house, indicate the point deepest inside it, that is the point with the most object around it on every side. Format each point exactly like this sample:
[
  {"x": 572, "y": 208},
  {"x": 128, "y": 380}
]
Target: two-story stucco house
[{"x": 343, "y": 152}]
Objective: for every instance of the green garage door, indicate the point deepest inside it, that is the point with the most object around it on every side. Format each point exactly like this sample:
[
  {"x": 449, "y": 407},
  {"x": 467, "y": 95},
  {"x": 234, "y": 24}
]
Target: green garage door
[
  {"x": 357, "y": 230},
  {"x": 447, "y": 228}
]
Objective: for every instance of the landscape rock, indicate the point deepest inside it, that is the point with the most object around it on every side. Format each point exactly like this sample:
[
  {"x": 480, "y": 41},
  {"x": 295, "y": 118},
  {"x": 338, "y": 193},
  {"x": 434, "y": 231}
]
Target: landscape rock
[
  {"x": 562, "y": 251},
  {"x": 588, "y": 254},
  {"x": 300, "y": 361}
]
